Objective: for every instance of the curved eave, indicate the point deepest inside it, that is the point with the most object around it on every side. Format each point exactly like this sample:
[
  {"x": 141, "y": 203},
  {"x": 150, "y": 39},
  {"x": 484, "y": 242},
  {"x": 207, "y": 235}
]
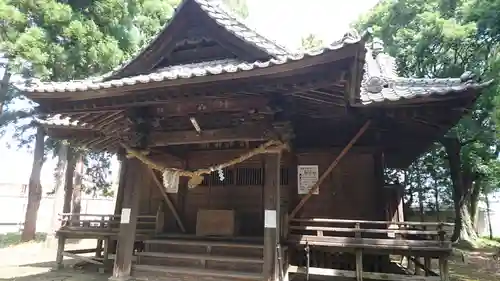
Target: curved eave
[
  {"x": 414, "y": 95},
  {"x": 172, "y": 76}
]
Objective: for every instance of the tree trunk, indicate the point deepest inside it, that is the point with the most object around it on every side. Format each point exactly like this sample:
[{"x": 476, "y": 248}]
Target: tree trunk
[
  {"x": 407, "y": 183},
  {"x": 68, "y": 180},
  {"x": 490, "y": 229},
  {"x": 462, "y": 179},
  {"x": 420, "y": 194},
  {"x": 35, "y": 188},
  {"x": 77, "y": 188},
  {"x": 4, "y": 87},
  {"x": 474, "y": 199}
]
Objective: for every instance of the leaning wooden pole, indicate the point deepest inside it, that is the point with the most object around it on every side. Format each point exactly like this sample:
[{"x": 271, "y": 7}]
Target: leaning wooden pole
[
  {"x": 168, "y": 201},
  {"x": 330, "y": 169}
]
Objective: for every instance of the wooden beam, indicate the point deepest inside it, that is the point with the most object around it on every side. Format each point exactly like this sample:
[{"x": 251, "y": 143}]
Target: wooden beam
[
  {"x": 272, "y": 164},
  {"x": 204, "y": 53},
  {"x": 330, "y": 169},
  {"x": 241, "y": 133},
  {"x": 168, "y": 201},
  {"x": 178, "y": 107}
]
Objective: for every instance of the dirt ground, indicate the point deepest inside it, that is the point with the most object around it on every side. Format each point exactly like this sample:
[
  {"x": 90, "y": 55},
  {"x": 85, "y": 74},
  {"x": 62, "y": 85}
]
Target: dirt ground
[
  {"x": 35, "y": 262},
  {"x": 478, "y": 265}
]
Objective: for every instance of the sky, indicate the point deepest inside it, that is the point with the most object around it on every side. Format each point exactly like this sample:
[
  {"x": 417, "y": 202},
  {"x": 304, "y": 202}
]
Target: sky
[{"x": 285, "y": 21}]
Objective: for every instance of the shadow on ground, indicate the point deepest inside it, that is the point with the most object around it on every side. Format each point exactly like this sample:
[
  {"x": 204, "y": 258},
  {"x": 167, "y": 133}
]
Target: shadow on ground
[{"x": 45, "y": 271}]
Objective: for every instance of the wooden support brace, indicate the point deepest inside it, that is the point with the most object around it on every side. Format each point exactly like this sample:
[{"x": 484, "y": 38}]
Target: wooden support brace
[
  {"x": 82, "y": 258},
  {"x": 421, "y": 267},
  {"x": 168, "y": 201},
  {"x": 329, "y": 169}
]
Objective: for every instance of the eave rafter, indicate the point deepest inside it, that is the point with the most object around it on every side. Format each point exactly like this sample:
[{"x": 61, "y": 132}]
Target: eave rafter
[{"x": 326, "y": 86}]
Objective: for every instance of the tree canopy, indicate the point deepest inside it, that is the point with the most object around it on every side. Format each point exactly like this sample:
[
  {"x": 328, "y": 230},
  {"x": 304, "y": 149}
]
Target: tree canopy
[
  {"x": 64, "y": 40},
  {"x": 444, "y": 39}
]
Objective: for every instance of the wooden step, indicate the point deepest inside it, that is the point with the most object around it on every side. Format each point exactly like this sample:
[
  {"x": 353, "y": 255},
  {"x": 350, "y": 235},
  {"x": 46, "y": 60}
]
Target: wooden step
[
  {"x": 204, "y": 243},
  {"x": 193, "y": 272},
  {"x": 203, "y": 257}
]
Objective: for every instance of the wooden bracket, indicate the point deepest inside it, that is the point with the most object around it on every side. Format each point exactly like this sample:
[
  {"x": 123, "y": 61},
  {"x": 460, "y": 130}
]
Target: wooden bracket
[{"x": 329, "y": 170}]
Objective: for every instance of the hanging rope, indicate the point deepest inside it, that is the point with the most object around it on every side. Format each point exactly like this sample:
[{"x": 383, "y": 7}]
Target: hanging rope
[{"x": 171, "y": 175}]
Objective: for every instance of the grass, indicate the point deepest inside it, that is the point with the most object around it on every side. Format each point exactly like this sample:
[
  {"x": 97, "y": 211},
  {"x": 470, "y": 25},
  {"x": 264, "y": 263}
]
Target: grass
[
  {"x": 14, "y": 238},
  {"x": 494, "y": 240}
]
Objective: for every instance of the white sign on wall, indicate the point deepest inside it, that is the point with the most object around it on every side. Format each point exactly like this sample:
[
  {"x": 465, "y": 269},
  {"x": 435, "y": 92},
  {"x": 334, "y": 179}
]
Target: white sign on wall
[
  {"x": 270, "y": 218},
  {"x": 307, "y": 175},
  {"x": 125, "y": 218}
]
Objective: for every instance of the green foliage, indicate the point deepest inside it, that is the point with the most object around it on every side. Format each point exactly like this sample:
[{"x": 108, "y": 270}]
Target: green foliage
[
  {"x": 14, "y": 238},
  {"x": 76, "y": 39},
  {"x": 64, "y": 40},
  {"x": 97, "y": 175},
  {"x": 444, "y": 39},
  {"x": 310, "y": 43}
]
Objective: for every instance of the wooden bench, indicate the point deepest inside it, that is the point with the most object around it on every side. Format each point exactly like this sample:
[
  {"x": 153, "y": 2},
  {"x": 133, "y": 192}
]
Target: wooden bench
[{"x": 409, "y": 239}]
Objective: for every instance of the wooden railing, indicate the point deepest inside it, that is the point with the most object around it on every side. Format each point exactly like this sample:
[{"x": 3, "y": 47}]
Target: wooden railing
[
  {"x": 107, "y": 222},
  {"x": 361, "y": 228},
  {"x": 412, "y": 240}
]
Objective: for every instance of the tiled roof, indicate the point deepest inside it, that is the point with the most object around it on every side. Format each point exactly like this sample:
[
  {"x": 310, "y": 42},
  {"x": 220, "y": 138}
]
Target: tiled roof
[
  {"x": 184, "y": 71},
  {"x": 225, "y": 19},
  {"x": 380, "y": 82},
  {"x": 216, "y": 11}
]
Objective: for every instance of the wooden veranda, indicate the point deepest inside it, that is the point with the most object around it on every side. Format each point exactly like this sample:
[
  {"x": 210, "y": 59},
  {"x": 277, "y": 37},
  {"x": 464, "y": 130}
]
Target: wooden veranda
[{"x": 242, "y": 160}]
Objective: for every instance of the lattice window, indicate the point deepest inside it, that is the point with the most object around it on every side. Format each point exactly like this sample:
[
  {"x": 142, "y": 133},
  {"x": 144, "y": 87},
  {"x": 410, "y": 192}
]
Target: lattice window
[
  {"x": 284, "y": 176},
  {"x": 213, "y": 179},
  {"x": 249, "y": 176},
  {"x": 243, "y": 177}
]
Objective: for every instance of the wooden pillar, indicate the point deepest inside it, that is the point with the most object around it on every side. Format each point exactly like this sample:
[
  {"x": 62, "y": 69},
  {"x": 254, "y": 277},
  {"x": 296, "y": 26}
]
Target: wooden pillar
[
  {"x": 359, "y": 257},
  {"x": 130, "y": 209},
  {"x": 271, "y": 215},
  {"x": 68, "y": 181},
  {"x": 443, "y": 268},
  {"x": 61, "y": 240},
  {"x": 381, "y": 195},
  {"x": 119, "y": 196},
  {"x": 121, "y": 182}
]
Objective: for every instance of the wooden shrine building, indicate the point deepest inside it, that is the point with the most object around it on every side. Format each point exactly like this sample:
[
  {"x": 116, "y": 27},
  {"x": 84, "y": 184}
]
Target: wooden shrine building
[{"x": 242, "y": 160}]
